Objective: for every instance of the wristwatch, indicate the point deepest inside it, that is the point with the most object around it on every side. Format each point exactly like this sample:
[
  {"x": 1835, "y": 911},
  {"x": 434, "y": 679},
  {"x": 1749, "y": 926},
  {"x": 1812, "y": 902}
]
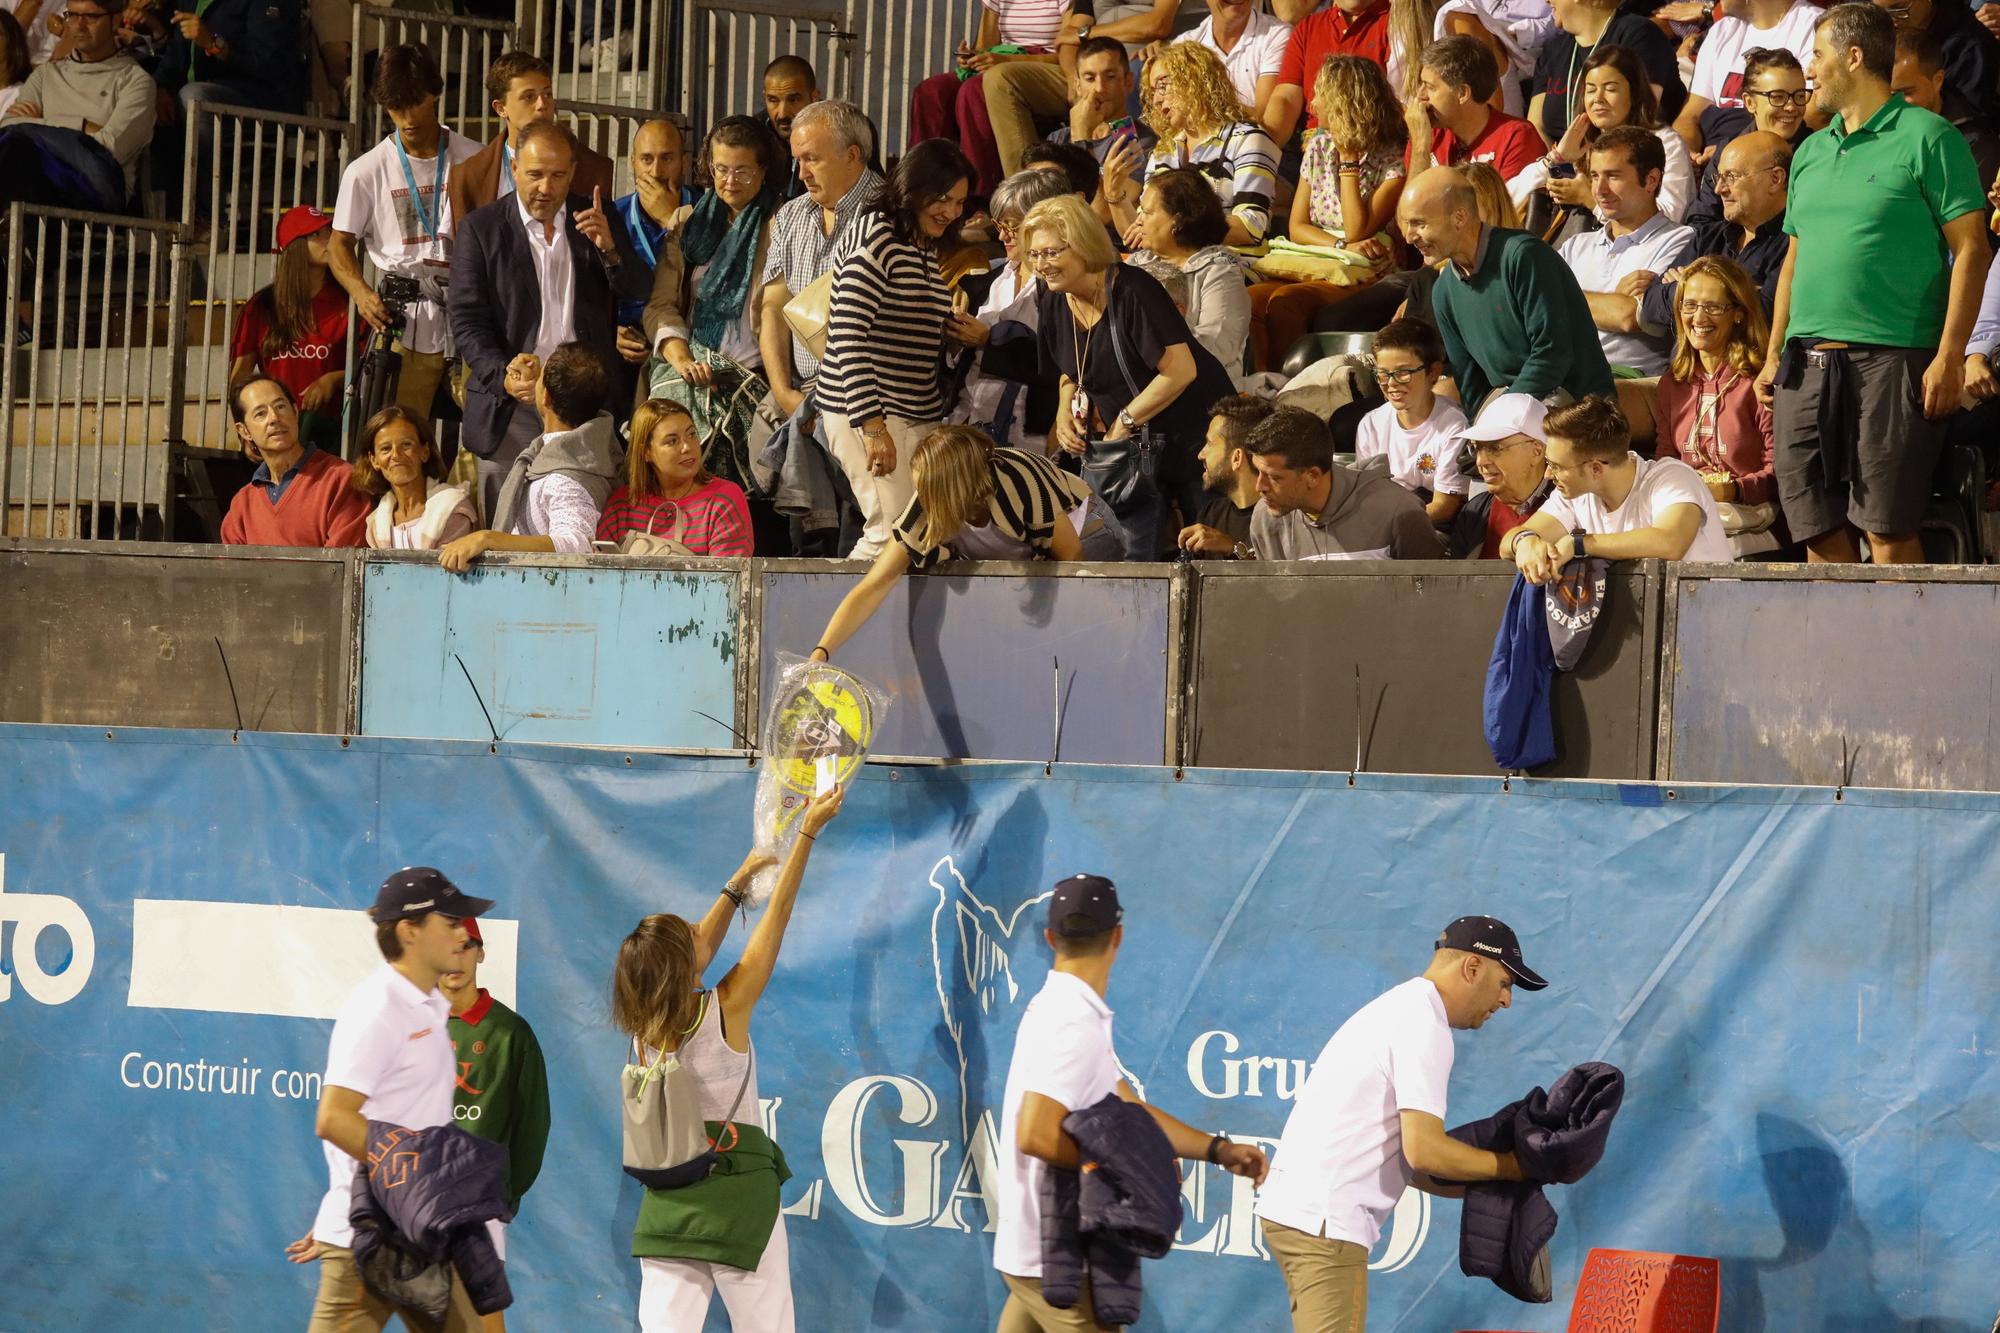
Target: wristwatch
[
  {"x": 1576, "y": 540},
  {"x": 1126, "y": 420}
]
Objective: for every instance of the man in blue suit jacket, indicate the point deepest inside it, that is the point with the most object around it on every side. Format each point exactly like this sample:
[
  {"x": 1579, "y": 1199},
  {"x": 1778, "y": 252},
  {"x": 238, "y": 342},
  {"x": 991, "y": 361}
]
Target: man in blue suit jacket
[{"x": 530, "y": 272}]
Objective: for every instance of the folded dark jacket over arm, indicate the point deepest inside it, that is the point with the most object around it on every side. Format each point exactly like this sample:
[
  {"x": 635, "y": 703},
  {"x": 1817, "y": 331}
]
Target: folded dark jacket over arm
[
  {"x": 1557, "y": 1136},
  {"x": 1123, "y": 1205},
  {"x": 420, "y": 1209}
]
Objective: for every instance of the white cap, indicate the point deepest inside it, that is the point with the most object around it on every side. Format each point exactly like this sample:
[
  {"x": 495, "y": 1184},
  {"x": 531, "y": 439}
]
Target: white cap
[{"x": 1508, "y": 415}]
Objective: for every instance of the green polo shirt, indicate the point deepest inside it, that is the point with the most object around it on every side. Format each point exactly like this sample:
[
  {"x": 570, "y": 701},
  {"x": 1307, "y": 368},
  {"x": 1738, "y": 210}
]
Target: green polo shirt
[{"x": 1868, "y": 209}]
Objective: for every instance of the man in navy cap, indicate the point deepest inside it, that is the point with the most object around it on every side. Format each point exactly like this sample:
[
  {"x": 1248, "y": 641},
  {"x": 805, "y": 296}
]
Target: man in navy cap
[
  {"x": 390, "y": 1060},
  {"x": 1370, "y": 1123},
  {"x": 1064, "y": 1061}
]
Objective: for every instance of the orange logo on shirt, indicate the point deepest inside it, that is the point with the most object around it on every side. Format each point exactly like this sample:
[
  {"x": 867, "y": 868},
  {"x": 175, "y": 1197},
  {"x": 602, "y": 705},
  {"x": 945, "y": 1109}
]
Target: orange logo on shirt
[
  {"x": 421, "y": 1033},
  {"x": 465, "y": 1068}
]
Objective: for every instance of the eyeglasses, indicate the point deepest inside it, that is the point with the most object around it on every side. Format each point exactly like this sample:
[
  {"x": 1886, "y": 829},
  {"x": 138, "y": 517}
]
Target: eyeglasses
[
  {"x": 1709, "y": 308},
  {"x": 1397, "y": 376},
  {"x": 1470, "y": 451},
  {"x": 1043, "y": 258},
  {"x": 1007, "y": 231},
  {"x": 735, "y": 173},
  {"x": 1729, "y": 180},
  {"x": 82, "y": 16},
  {"x": 1778, "y": 97}
]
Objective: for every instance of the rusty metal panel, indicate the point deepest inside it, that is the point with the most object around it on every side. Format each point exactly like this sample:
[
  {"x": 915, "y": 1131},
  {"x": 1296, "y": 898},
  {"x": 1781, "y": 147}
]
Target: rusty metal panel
[
  {"x": 1781, "y": 679},
  {"x": 972, "y": 658},
  {"x": 126, "y": 636},
  {"x": 1291, "y": 663},
  {"x": 558, "y": 649}
]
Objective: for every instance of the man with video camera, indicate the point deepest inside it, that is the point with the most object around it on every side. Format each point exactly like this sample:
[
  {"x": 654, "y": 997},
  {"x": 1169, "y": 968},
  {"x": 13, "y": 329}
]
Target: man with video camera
[{"x": 393, "y": 200}]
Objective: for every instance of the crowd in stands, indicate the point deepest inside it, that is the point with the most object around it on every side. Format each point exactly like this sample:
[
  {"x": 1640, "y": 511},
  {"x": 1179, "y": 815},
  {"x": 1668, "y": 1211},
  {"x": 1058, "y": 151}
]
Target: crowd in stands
[{"x": 1698, "y": 278}]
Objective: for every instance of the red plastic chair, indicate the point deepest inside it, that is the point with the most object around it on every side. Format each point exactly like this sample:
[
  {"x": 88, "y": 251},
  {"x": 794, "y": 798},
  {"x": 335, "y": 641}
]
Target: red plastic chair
[{"x": 1636, "y": 1291}]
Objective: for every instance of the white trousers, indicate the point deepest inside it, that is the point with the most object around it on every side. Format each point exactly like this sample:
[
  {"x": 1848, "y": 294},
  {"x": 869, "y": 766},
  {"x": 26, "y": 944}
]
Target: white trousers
[
  {"x": 674, "y": 1293},
  {"x": 882, "y": 500}
]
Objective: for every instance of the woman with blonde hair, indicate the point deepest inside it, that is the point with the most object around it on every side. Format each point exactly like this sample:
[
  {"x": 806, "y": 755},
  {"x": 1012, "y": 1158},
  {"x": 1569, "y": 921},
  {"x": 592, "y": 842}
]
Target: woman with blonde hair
[
  {"x": 1348, "y": 190},
  {"x": 669, "y": 492},
  {"x": 724, "y": 1231},
  {"x": 1708, "y": 414},
  {"x": 1136, "y": 384},
  {"x": 397, "y": 461},
  {"x": 1190, "y": 104},
  {"x": 977, "y": 502}
]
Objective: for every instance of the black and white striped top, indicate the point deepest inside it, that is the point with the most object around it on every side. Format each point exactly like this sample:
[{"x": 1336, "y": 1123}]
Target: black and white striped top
[
  {"x": 1029, "y": 492},
  {"x": 885, "y": 340}
]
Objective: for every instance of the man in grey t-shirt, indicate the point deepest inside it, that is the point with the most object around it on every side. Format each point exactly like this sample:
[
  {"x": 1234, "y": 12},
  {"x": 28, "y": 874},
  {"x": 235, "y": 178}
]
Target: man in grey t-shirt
[{"x": 1310, "y": 508}]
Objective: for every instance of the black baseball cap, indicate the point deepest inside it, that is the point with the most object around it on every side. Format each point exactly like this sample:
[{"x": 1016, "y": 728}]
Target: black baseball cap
[
  {"x": 1091, "y": 896},
  {"x": 1493, "y": 939},
  {"x": 416, "y": 890}
]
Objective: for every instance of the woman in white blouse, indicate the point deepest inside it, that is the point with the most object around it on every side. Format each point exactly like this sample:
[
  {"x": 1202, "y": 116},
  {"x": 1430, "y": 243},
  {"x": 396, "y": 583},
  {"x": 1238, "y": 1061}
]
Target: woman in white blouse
[{"x": 399, "y": 462}]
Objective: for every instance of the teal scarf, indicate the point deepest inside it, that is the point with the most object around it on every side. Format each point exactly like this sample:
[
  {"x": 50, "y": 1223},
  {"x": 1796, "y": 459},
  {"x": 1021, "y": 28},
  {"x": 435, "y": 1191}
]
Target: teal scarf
[{"x": 730, "y": 251}]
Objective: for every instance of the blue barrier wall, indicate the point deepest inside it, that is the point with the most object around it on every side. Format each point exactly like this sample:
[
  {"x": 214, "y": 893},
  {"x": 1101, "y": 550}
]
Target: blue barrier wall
[
  {"x": 578, "y": 656},
  {"x": 1799, "y": 990}
]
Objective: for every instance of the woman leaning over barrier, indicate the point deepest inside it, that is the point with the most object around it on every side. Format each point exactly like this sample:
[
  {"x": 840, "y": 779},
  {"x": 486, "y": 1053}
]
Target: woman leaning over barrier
[
  {"x": 1136, "y": 384},
  {"x": 976, "y": 502},
  {"x": 723, "y": 1231},
  {"x": 397, "y": 461}
]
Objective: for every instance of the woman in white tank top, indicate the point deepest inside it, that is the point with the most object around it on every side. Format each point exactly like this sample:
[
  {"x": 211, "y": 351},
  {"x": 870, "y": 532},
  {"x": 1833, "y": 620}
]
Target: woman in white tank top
[{"x": 657, "y": 999}]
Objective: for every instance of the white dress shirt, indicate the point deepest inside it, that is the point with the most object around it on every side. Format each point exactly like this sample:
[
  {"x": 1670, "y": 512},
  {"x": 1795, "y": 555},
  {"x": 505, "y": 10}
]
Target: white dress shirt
[
  {"x": 556, "y": 276},
  {"x": 1601, "y": 261}
]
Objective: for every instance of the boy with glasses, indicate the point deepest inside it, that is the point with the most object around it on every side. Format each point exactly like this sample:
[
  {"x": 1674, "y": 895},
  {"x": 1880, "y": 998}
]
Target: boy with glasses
[
  {"x": 1415, "y": 431},
  {"x": 73, "y": 136}
]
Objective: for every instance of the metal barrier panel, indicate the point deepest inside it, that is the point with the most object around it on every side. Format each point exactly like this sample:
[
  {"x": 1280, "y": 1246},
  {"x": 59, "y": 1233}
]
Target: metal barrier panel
[
  {"x": 258, "y": 164},
  {"x": 174, "y": 636},
  {"x": 91, "y": 399},
  {"x": 733, "y": 40},
  {"x": 553, "y": 649},
  {"x": 900, "y": 45},
  {"x": 464, "y": 47},
  {"x": 978, "y": 661},
  {"x": 1833, "y": 677},
  {"x": 1381, "y": 667}
]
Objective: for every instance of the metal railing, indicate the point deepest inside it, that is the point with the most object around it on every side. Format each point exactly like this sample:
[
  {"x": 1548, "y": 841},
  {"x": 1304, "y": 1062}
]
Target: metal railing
[
  {"x": 607, "y": 52},
  {"x": 901, "y": 44},
  {"x": 610, "y": 130},
  {"x": 260, "y": 163},
  {"x": 731, "y": 41},
  {"x": 91, "y": 404},
  {"x": 464, "y": 47}
]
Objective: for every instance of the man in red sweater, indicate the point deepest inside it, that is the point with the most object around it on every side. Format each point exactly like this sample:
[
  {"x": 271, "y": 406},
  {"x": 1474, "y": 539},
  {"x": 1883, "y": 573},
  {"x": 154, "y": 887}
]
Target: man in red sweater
[{"x": 298, "y": 496}]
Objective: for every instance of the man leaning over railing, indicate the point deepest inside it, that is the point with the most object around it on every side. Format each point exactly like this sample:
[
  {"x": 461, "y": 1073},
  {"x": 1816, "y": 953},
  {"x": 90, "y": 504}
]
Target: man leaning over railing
[{"x": 74, "y": 135}]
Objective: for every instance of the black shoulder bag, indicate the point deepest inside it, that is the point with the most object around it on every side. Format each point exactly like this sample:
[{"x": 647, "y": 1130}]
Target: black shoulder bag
[{"x": 1122, "y": 471}]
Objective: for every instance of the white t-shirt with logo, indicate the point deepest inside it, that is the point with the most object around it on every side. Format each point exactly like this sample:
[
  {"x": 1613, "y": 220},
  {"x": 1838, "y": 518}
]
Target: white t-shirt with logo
[
  {"x": 1661, "y": 484},
  {"x": 1339, "y": 1167},
  {"x": 1718, "y": 65},
  {"x": 1063, "y": 1051},
  {"x": 376, "y": 206},
  {"x": 392, "y": 1044},
  {"x": 1422, "y": 458}
]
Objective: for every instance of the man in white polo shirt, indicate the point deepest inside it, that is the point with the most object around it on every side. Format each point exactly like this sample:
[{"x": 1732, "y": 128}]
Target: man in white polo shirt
[
  {"x": 1064, "y": 1061},
  {"x": 390, "y": 1060},
  {"x": 1370, "y": 1123}
]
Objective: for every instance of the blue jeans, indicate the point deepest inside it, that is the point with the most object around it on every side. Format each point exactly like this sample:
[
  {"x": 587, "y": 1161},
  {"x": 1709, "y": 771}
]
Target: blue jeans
[{"x": 55, "y": 167}]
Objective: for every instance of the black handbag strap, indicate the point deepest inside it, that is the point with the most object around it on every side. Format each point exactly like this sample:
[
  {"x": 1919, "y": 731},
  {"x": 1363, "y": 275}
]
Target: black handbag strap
[{"x": 1118, "y": 348}]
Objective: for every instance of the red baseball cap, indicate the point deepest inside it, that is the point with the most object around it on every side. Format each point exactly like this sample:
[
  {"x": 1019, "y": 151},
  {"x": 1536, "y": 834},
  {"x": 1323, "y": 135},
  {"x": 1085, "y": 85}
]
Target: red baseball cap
[
  {"x": 301, "y": 221},
  {"x": 472, "y": 935}
]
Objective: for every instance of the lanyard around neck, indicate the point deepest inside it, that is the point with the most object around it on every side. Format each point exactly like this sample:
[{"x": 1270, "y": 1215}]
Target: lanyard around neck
[
  {"x": 431, "y": 222},
  {"x": 636, "y": 219}
]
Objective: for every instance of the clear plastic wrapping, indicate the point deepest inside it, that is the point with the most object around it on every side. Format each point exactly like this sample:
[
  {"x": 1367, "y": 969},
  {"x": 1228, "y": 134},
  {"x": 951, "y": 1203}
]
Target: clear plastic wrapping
[{"x": 816, "y": 734}]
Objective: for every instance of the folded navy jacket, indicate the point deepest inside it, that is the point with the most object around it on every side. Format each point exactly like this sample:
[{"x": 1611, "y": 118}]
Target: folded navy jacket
[
  {"x": 419, "y": 1212},
  {"x": 1557, "y": 1136},
  {"x": 1124, "y": 1205}
]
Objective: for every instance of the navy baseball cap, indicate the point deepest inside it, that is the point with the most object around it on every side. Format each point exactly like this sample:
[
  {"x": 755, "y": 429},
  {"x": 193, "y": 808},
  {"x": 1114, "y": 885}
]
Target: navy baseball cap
[
  {"x": 1090, "y": 896},
  {"x": 1492, "y": 939},
  {"x": 416, "y": 890}
]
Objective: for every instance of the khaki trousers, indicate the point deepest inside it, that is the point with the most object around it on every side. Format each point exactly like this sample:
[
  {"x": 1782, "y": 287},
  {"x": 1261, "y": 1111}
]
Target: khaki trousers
[
  {"x": 345, "y": 1305},
  {"x": 1016, "y": 93},
  {"x": 1327, "y": 1280},
  {"x": 417, "y": 383},
  {"x": 1027, "y": 1312}
]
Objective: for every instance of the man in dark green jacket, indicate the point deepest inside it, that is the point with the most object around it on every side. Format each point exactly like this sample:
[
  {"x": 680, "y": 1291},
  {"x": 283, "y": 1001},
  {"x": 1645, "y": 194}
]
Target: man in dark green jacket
[
  {"x": 503, "y": 1084},
  {"x": 1508, "y": 307}
]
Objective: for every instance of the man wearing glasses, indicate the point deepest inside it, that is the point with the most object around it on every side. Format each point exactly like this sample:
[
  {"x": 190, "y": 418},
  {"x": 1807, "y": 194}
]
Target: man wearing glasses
[
  {"x": 1509, "y": 451},
  {"x": 1755, "y": 170},
  {"x": 74, "y": 135}
]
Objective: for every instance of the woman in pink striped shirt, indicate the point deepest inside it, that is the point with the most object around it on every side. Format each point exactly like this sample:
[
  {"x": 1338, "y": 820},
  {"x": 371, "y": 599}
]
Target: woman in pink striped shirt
[{"x": 667, "y": 484}]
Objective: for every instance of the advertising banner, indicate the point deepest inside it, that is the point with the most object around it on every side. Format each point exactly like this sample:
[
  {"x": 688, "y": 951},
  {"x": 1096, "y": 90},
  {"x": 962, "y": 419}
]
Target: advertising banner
[{"x": 1798, "y": 987}]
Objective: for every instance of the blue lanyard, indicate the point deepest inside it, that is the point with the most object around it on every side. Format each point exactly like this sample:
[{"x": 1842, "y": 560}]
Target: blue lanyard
[
  {"x": 437, "y": 191},
  {"x": 635, "y": 222}
]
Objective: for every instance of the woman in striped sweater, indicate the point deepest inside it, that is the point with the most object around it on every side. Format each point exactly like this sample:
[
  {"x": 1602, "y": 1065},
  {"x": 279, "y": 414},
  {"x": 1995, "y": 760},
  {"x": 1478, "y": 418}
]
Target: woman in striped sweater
[{"x": 882, "y": 386}]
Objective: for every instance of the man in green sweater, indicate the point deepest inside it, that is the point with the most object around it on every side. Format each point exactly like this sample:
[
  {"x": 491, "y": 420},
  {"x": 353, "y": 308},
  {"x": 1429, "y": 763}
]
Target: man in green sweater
[
  {"x": 1511, "y": 313},
  {"x": 503, "y": 1084}
]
